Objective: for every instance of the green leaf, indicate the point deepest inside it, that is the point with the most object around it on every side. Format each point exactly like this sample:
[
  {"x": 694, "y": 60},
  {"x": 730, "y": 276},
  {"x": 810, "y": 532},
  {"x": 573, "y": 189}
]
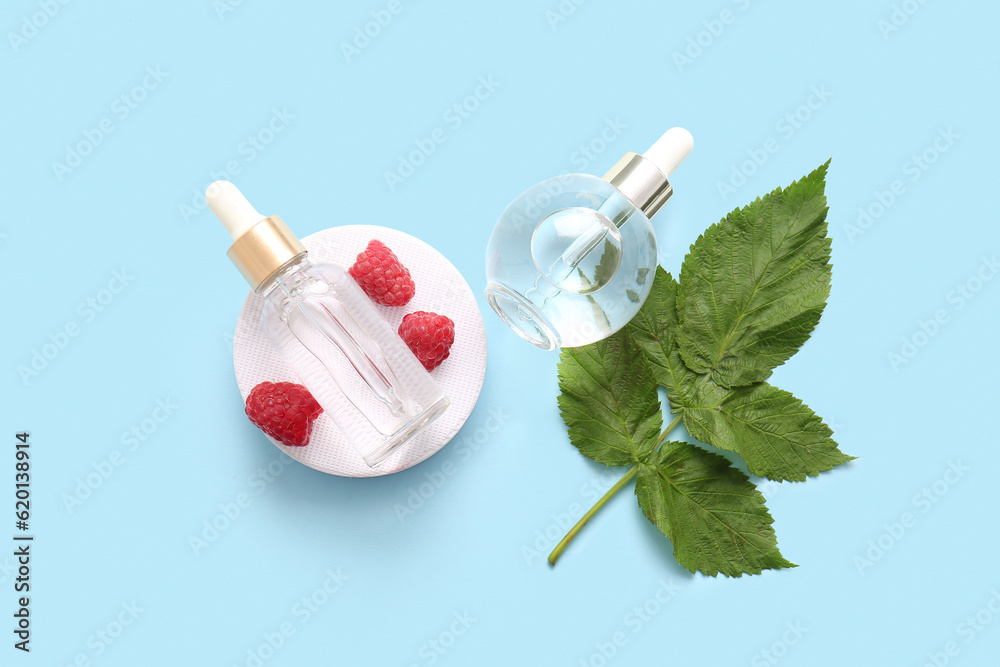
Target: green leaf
[
  {"x": 713, "y": 515},
  {"x": 654, "y": 329},
  {"x": 754, "y": 285},
  {"x": 777, "y": 435},
  {"x": 608, "y": 400}
]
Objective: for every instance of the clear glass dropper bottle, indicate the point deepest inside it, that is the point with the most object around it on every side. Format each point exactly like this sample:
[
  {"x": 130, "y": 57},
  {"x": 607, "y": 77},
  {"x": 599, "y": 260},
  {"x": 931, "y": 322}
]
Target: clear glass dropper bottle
[
  {"x": 350, "y": 359},
  {"x": 572, "y": 259}
]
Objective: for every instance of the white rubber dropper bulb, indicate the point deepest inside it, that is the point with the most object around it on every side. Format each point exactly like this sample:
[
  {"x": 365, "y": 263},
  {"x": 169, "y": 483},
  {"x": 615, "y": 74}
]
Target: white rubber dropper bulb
[
  {"x": 670, "y": 150},
  {"x": 232, "y": 209}
]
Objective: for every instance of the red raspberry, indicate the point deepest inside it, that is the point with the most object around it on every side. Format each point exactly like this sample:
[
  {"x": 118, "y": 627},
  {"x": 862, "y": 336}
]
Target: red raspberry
[
  {"x": 283, "y": 410},
  {"x": 382, "y": 276},
  {"x": 429, "y": 335}
]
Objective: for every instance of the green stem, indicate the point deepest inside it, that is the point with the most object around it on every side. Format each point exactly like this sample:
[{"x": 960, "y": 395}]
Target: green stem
[
  {"x": 629, "y": 476},
  {"x": 554, "y": 556},
  {"x": 668, "y": 430}
]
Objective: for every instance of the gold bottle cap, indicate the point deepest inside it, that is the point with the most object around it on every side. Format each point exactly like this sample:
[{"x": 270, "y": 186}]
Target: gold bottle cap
[
  {"x": 265, "y": 249},
  {"x": 261, "y": 246}
]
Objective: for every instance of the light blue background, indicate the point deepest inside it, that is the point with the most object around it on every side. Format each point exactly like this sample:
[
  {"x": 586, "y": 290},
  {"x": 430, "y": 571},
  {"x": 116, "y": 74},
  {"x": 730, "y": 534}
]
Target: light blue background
[{"x": 468, "y": 548}]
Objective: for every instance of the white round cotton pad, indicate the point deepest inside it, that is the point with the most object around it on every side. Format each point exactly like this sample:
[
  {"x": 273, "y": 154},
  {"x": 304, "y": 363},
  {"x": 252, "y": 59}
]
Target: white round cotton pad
[{"x": 440, "y": 289}]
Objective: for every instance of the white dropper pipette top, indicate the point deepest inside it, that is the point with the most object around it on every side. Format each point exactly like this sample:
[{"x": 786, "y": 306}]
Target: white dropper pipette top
[
  {"x": 232, "y": 209},
  {"x": 670, "y": 150}
]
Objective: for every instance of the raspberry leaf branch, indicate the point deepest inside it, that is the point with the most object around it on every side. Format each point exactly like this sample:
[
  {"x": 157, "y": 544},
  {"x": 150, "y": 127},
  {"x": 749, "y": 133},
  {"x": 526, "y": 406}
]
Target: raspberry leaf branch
[{"x": 751, "y": 291}]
